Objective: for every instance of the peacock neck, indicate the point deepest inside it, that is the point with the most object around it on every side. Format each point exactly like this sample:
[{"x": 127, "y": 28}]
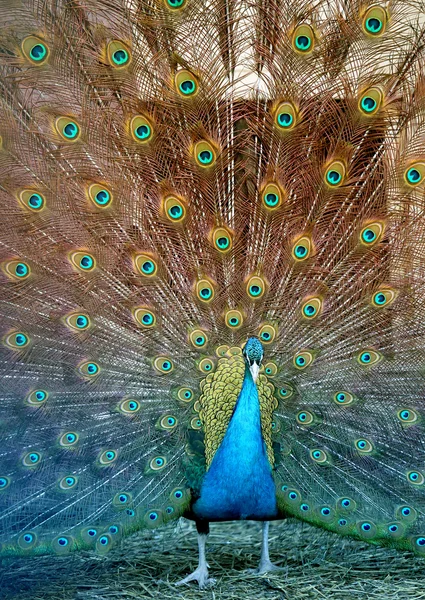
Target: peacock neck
[{"x": 239, "y": 482}]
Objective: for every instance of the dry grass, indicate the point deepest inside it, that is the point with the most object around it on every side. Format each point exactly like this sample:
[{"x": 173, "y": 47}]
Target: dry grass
[{"x": 316, "y": 565}]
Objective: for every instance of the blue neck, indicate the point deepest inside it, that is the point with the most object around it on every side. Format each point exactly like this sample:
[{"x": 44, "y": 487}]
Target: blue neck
[{"x": 239, "y": 482}]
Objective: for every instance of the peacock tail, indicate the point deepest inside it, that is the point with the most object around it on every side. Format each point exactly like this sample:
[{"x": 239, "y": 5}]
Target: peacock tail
[{"x": 178, "y": 176}]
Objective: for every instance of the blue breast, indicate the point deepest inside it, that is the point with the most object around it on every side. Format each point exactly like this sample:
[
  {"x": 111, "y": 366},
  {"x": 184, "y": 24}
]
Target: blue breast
[{"x": 239, "y": 482}]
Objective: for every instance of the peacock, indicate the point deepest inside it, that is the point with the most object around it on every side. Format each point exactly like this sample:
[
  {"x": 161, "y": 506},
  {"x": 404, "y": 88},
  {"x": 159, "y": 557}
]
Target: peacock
[{"x": 212, "y": 252}]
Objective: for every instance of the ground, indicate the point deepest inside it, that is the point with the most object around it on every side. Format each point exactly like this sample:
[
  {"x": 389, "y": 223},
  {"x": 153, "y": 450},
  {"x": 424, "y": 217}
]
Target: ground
[{"x": 316, "y": 565}]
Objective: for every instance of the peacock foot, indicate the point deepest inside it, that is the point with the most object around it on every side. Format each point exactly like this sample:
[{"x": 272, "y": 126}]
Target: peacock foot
[
  {"x": 201, "y": 576},
  {"x": 265, "y": 566}
]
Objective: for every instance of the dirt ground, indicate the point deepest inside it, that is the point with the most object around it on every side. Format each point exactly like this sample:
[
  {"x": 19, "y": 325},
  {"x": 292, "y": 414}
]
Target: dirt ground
[{"x": 315, "y": 564}]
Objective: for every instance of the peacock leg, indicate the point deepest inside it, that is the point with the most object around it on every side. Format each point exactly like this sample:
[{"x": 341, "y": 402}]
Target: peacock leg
[
  {"x": 201, "y": 573},
  {"x": 265, "y": 563}
]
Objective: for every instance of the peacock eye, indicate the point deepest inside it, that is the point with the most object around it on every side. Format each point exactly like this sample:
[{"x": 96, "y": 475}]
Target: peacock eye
[
  {"x": 119, "y": 55},
  {"x": 343, "y": 398},
  {"x": 141, "y": 129},
  {"x": 175, "y": 4},
  {"x": 303, "y": 359},
  {"x": 145, "y": 265},
  {"x": 364, "y": 446},
  {"x": 303, "y": 39},
  {"x": 68, "y": 129},
  {"x": 234, "y": 319},
  {"x": 144, "y": 317},
  {"x": 108, "y": 457},
  {"x": 375, "y": 21},
  {"x": 285, "y": 118},
  {"x": 205, "y": 154},
  {"x": 186, "y": 83},
  {"x": 89, "y": 369},
  {"x": 34, "y": 201},
  {"x": 335, "y": 174},
  {"x": 35, "y": 50}
]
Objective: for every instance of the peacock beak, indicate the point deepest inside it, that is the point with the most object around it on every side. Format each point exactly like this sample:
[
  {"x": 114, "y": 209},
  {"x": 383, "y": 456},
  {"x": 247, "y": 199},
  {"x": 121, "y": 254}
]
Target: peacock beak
[{"x": 255, "y": 369}]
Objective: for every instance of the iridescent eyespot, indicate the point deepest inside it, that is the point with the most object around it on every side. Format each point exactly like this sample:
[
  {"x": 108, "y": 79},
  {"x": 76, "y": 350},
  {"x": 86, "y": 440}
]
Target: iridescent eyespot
[
  {"x": 415, "y": 477},
  {"x": 272, "y": 195},
  {"x": 383, "y": 297},
  {"x": 4, "y": 482},
  {"x": 17, "y": 270},
  {"x": 17, "y": 340},
  {"x": 63, "y": 544},
  {"x": 302, "y": 248},
  {"x": 396, "y": 530},
  {"x": 267, "y": 333},
  {"x": 270, "y": 369},
  {"x": 407, "y": 416},
  {"x": 144, "y": 317},
  {"x": 77, "y": 321},
  {"x": 304, "y": 417},
  {"x": 119, "y": 55},
  {"x": 129, "y": 406},
  {"x": 104, "y": 543},
  {"x": 107, "y": 457},
  {"x": 222, "y": 239},
  {"x": 363, "y": 446},
  {"x": 100, "y": 195},
  {"x": 375, "y": 21},
  {"x": 146, "y": 265},
  {"x": 205, "y": 154},
  {"x": 198, "y": 338},
  {"x": 158, "y": 463},
  {"x": 326, "y": 513},
  {"x": 141, "y": 129},
  {"x": 186, "y": 83},
  {"x": 168, "y": 422},
  {"x": 372, "y": 233},
  {"x": 303, "y": 359},
  {"x": 174, "y": 209},
  {"x": 175, "y": 4},
  {"x": 185, "y": 394},
  {"x": 68, "y": 482},
  {"x": 346, "y": 504},
  {"x": 37, "y": 397},
  {"x": 68, "y": 439},
  {"x": 368, "y": 357},
  {"x": 177, "y": 494},
  {"x": 68, "y": 129},
  {"x": 82, "y": 261},
  {"x": 255, "y": 287},
  {"x": 312, "y": 307},
  {"x": 343, "y": 398},
  {"x": 285, "y": 391},
  {"x": 163, "y": 364},
  {"x": 196, "y": 423},
  {"x": 303, "y": 39},
  {"x": 371, "y": 101},
  {"x": 406, "y": 513},
  {"x": 27, "y": 540},
  {"x": 233, "y": 319},
  {"x": 122, "y": 500},
  {"x": 35, "y": 50},
  {"x": 31, "y": 459},
  {"x": 204, "y": 290},
  {"x": 335, "y": 174},
  {"x": 304, "y": 507},
  {"x": 206, "y": 365},
  {"x": 114, "y": 529},
  {"x": 89, "y": 369},
  {"x": 285, "y": 117},
  {"x": 34, "y": 201},
  {"x": 319, "y": 456},
  {"x": 415, "y": 174}
]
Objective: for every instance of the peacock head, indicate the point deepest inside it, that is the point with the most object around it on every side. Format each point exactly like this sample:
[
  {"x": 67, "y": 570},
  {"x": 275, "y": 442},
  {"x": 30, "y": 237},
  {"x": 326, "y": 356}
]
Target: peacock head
[{"x": 253, "y": 353}]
